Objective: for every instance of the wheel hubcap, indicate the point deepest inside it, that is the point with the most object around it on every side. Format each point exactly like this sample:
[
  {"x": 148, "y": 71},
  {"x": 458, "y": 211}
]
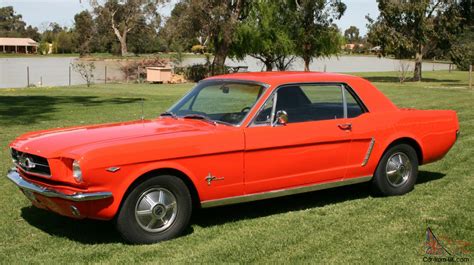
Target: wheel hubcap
[
  {"x": 156, "y": 209},
  {"x": 398, "y": 169}
]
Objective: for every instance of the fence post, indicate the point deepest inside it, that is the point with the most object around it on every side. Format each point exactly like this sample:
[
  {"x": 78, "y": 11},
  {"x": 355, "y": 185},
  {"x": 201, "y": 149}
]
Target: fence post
[
  {"x": 450, "y": 67},
  {"x": 105, "y": 78},
  {"x": 69, "y": 75},
  {"x": 27, "y": 76},
  {"x": 470, "y": 76}
]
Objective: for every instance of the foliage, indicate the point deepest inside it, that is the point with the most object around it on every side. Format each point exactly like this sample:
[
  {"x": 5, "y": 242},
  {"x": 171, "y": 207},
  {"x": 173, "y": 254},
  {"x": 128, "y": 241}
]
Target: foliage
[
  {"x": 413, "y": 28},
  {"x": 43, "y": 48},
  {"x": 315, "y": 35},
  {"x": 85, "y": 70},
  {"x": 196, "y": 72},
  {"x": 265, "y": 33},
  {"x": 198, "y": 49},
  {"x": 462, "y": 52},
  {"x": 85, "y": 31},
  {"x": 12, "y": 25},
  {"x": 351, "y": 35},
  {"x": 215, "y": 20},
  {"x": 123, "y": 16}
]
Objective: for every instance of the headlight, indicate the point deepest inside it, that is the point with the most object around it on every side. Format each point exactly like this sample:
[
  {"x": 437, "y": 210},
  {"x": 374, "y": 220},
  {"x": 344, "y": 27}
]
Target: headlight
[{"x": 76, "y": 171}]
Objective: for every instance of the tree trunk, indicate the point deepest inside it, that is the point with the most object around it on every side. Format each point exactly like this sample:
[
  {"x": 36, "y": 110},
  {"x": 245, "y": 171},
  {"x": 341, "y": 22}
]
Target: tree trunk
[
  {"x": 418, "y": 62},
  {"x": 306, "y": 64},
  {"x": 268, "y": 65},
  {"x": 123, "y": 44},
  {"x": 218, "y": 64}
]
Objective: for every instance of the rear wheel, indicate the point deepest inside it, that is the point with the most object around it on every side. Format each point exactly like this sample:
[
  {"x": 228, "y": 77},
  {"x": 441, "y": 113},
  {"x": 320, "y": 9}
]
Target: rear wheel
[
  {"x": 397, "y": 171},
  {"x": 155, "y": 210}
]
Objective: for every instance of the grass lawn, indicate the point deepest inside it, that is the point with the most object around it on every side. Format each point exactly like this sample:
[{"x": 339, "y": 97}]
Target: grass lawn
[{"x": 340, "y": 225}]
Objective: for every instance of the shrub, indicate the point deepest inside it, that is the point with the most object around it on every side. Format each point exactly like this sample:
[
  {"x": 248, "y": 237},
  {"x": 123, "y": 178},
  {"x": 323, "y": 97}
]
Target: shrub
[
  {"x": 86, "y": 70},
  {"x": 198, "y": 49},
  {"x": 196, "y": 72}
]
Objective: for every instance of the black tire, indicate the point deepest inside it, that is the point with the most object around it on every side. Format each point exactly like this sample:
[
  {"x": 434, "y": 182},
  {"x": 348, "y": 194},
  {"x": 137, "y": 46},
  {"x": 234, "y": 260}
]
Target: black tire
[
  {"x": 133, "y": 230},
  {"x": 385, "y": 184}
]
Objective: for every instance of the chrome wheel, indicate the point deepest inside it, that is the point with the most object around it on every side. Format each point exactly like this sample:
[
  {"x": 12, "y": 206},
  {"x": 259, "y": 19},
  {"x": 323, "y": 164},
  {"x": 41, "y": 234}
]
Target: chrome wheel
[
  {"x": 398, "y": 169},
  {"x": 156, "y": 209}
]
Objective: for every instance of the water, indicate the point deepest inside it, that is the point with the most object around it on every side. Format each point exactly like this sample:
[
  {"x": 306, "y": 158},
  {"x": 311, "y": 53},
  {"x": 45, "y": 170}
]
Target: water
[{"x": 54, "y": 71}]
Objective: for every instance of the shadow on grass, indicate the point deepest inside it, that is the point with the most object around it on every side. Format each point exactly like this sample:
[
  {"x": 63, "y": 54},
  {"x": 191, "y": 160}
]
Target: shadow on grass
[
  {"x": 394, "y": 79},
  {"x": 101, "y": 232},
  {"x": 32, "y": 109}
]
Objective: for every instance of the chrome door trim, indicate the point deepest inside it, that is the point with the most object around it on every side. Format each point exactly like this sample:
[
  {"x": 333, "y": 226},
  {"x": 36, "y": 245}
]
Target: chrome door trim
[
  {"x": 283, "y": 192},
  {"x": 369, "y": 152}
]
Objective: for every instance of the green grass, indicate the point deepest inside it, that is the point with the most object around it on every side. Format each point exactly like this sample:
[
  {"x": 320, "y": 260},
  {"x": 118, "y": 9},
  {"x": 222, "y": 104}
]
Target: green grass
[{"x": 343, "y": 225}]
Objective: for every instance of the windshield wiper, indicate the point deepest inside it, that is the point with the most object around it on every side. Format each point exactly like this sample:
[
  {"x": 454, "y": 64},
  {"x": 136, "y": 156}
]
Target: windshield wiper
[
  {"x": 169, "y": 113},
  {"x": 199, "y": 117}
]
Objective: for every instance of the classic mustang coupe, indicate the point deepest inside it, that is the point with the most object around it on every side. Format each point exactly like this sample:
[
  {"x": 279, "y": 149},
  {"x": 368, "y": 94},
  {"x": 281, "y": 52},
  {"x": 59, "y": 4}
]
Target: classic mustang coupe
[{"x": 233, "y": 138}]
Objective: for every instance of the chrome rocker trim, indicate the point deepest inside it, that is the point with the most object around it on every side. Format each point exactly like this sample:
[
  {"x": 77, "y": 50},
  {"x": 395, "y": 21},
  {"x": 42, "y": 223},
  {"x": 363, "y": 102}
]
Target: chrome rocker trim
[
  {"x": 283, "y": 192},
  {"x": 77, "y": 197}
]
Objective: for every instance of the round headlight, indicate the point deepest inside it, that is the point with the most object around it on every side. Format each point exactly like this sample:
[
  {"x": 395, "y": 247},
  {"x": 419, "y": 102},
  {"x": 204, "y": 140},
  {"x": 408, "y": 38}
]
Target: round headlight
[{"x": 76, "y": 171}]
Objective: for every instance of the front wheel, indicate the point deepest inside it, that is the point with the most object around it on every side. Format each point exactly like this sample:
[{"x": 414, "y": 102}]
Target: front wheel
[
  {"x": 397, "y": 171},
  {"x": 155, "y": 210}
]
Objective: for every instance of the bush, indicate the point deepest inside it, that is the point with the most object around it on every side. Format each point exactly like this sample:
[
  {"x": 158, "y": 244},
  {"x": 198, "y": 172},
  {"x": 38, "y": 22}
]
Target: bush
[
  {"x": 198, "y": 49},
  {"x": 196, "y": 72}
]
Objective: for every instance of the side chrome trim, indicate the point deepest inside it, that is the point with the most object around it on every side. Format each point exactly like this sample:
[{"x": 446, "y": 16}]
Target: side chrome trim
[
  {"x": 283, "y": 192},
  {"x": 369, "y": 152},
  {"x": 26, "y": 185}
]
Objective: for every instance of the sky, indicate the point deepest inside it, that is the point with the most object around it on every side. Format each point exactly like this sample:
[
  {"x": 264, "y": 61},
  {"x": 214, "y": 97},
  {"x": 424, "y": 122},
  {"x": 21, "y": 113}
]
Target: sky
[{"x": 40, "y": 12}]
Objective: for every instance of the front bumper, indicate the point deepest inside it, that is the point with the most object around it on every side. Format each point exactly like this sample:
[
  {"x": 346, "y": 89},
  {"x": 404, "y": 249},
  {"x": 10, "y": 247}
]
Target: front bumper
[{"x": 25, "y": 185}]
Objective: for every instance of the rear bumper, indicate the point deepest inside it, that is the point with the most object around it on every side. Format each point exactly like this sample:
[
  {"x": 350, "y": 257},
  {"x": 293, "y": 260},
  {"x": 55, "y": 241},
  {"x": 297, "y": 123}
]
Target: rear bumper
[{"x": 23, "y": 184}]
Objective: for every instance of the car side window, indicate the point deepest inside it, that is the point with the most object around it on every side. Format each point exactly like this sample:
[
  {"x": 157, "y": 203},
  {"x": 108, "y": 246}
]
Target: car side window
[{"x": 311, "y": 102}]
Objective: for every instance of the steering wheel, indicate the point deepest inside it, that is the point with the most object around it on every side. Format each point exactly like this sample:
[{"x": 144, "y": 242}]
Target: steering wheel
[{"x": 246, "y": 109}]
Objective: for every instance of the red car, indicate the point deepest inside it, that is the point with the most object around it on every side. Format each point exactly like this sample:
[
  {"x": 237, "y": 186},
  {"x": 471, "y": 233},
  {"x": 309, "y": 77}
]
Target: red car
[{"x": 233, "y": 138}]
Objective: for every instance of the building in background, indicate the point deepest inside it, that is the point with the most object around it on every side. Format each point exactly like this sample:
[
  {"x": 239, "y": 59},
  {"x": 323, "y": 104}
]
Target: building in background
[{"x": 18, "y": 45}]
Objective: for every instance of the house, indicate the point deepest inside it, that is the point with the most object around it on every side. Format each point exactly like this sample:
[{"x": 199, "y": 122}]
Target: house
[{"x": 18, "y": 45}]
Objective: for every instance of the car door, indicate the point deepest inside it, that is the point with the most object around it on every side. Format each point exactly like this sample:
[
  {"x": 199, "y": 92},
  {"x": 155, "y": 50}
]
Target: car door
[{"x": 312, "y": 147}]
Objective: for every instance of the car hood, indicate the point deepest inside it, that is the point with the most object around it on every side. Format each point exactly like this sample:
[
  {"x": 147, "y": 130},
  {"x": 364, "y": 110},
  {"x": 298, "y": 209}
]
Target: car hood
[{"x": 58, "y": 142}]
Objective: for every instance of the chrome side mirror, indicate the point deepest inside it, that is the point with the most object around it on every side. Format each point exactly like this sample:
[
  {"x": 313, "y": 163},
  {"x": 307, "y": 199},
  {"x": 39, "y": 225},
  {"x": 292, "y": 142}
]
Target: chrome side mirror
[{"x": 281, "y": 118}]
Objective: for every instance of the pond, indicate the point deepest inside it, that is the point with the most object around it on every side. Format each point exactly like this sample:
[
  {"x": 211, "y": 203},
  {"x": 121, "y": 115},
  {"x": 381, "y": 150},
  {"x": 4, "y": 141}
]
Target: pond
[{"x": 54, "y": 71}]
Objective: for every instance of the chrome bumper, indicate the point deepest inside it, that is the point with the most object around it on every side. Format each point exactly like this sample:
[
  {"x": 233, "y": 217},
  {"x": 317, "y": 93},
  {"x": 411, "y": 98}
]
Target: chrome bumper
[{"x": 77, "y": 197}]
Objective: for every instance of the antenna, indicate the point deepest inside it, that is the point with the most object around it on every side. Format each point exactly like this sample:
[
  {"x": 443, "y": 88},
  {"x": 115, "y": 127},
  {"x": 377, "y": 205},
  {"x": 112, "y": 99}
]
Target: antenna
[{"x": 143, "y": 112}]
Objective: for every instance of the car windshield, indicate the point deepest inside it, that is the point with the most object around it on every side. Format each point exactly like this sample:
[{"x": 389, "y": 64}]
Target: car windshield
[{"x": 225, "y": 101}]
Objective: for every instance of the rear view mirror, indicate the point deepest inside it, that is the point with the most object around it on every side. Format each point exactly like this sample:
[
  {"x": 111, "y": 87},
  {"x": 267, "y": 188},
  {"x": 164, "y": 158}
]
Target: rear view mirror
[
  {"x": 281, "y": 117},
  {"x": 225, "y": 89}
]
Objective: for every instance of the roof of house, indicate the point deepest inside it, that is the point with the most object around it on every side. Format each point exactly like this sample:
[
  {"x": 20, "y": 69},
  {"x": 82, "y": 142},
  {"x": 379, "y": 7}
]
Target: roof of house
[{"x": 17, "y": 42}]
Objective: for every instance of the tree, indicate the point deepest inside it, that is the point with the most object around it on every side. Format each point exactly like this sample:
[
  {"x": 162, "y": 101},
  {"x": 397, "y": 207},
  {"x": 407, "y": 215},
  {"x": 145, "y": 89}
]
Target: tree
[
  {"x": 216, "y": 20},
  {"x": 84, "y": 32},
  {"x": 12, "y": 25},
  {"x": 315, "y": 35},
  {"x": 462, "y": 52},
  {"x": 265, "y": 34},
  {"x": 64, "y": 42},
  {"x": 407, "y": 28},
  {"x": 125, "y": 15},
  {"x": 352, "y": 35}
]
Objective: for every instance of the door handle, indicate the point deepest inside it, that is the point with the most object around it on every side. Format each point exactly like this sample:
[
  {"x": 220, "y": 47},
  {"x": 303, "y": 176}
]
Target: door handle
[{"x": 345, "y": 126}]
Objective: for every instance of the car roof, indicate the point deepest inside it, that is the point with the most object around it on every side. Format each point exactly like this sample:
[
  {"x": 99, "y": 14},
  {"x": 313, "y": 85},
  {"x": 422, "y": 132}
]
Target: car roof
[
  {"x": 373, "y": 99},
  {"x": 287, "y": 77}
]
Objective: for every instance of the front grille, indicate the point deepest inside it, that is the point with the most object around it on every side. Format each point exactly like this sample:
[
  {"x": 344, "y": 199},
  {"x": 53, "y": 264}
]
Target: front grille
[{"x": 31, "y": 163}]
